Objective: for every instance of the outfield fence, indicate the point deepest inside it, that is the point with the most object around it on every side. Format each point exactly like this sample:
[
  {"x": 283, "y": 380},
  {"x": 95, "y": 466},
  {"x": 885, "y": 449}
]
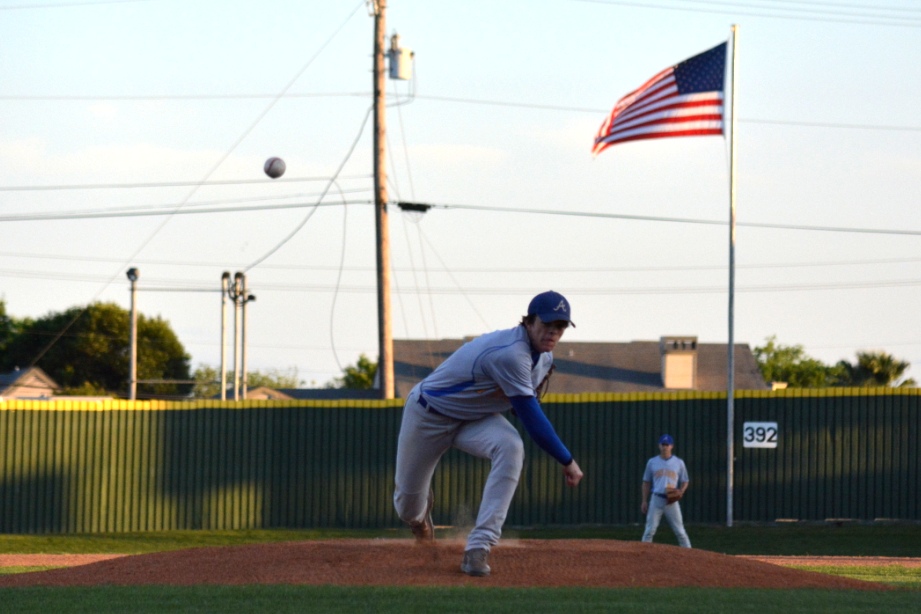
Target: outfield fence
[{"x": 119, "y": 466}]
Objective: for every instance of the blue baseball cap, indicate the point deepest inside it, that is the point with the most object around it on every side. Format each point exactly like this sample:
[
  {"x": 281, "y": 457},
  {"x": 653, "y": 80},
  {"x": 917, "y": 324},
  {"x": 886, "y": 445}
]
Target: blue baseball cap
[
  {"x": 550, "y": 306},
  {"x": 666, "y": 439}
]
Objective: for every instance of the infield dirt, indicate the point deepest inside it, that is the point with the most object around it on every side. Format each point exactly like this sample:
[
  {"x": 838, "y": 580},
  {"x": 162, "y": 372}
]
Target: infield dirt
[{"x": 395, "y": 562}]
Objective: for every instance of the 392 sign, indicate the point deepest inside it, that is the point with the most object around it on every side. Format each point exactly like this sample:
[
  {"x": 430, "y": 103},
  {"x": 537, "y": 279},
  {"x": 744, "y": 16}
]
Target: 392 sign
[{"x": 759, "y": 435}]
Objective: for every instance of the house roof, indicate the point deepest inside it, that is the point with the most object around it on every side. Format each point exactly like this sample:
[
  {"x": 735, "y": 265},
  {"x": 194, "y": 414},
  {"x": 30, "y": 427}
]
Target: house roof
[
  {"x": 581, "y": 367},
  {"x": 31, "y": 378}
]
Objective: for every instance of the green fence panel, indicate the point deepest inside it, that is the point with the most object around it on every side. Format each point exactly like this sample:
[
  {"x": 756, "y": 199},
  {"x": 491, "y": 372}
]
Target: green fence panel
[
  {"x": 87, "y": 467},
  {"x": 841, "y": 454}
]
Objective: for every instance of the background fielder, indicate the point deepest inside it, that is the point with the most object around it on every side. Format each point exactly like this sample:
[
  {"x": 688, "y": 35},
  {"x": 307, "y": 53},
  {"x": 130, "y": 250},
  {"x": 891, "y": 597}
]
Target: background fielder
[
  {"x": 666, "y": 479},
  {"x": 461, "y": 403}
]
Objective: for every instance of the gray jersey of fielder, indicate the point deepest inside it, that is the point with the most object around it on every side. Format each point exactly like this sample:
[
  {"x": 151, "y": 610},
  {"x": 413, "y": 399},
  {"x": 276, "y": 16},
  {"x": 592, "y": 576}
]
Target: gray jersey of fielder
[{"x": 662, "y": 474}]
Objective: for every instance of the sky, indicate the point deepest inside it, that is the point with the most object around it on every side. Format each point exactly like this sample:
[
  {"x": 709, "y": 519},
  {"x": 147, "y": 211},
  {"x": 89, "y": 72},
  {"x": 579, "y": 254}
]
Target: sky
[{"x": 134, "y": 134}]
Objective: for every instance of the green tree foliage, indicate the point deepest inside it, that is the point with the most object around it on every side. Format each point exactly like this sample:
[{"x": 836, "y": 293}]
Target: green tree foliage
[
  {"x": 359, "y": 376},
  {"x": 86, "y": 350},
  {"x": 876, "y": 369},
  {"x": 791, "y": 364},
  {"x": 208, "y": 380},
  {"x": 8, "y": 327}
]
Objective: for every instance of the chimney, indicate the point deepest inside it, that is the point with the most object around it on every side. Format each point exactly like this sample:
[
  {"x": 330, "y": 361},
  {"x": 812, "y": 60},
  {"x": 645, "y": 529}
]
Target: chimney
[{"x": 679, "y": 362}]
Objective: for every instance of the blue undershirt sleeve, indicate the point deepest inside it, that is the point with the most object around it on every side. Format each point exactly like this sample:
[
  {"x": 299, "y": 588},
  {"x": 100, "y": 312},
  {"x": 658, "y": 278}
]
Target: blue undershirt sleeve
[{"x": 539, "y": 428}]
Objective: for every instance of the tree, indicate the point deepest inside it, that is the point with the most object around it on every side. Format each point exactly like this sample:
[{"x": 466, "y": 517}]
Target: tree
[
  {"x": 86, "y": 350},
  {"x": 358, "y": 377},
  {"x": 8, "y": 327},
  {"x": 875, "y": 369},
  {"x": 779, "y": 363},
  {"x": 208, "y": 380},
  {"x": 791, "y": 364}
]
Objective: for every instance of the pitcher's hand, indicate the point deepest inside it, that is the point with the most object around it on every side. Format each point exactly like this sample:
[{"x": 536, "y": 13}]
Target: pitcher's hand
[{"x": 573, "y": 474}]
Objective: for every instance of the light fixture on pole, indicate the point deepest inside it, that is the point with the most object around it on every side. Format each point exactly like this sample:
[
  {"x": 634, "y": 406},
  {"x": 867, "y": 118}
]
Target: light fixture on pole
[{"x": 133, "y": 275}]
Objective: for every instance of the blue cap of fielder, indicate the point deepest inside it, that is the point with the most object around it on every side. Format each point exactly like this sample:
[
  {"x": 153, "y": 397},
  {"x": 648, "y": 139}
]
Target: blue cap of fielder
[
  {"x": 551, "y": 306},
  {"x": 667, "y": 440}
]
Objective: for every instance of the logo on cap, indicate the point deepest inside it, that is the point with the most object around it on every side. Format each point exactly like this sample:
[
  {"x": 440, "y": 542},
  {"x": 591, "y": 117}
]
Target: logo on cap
[{"x": 550, "y": 306}]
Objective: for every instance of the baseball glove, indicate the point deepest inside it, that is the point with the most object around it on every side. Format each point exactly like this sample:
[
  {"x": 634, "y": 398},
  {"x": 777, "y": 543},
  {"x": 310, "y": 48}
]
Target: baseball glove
[
  {"x": 672, "y": 495},
  {"x": 544, "y": 385}
]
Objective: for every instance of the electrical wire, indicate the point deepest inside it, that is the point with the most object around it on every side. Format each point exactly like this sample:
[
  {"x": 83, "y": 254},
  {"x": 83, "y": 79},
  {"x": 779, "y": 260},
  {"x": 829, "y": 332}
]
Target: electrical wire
[
  {"x": 297, "y": 229},
  {"x": 454, "y": 280},
  {"x": 481, "y": 270},
  {"x": 219, "y": 162},
  {"x": 332, "y": 308},
  {"x": 161, "y": 184},
  {"x": 66, "y": 5},
  {"x": 681, "y": 220},
  {"x": 825, "y": 16},
  {"x": 170, "y": 213}
]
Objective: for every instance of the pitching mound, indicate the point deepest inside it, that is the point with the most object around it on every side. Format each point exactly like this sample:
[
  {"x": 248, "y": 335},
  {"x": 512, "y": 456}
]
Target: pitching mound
[{"x": 392, "y": 562}]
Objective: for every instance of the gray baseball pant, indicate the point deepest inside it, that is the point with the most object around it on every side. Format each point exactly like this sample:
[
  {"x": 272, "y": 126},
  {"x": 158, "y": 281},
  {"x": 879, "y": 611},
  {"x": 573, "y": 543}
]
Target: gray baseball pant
[
  {"x": 657, "y": 508},
  {"x": 424, "y": 438}
]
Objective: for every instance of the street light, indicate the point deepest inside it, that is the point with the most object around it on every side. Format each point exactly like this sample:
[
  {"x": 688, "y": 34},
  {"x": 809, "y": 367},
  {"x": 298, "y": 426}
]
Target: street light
[{"x": 133, "y": 275}]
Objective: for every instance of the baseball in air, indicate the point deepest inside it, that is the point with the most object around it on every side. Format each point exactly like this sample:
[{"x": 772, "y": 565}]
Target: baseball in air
[{"x": 274, "y": 167}]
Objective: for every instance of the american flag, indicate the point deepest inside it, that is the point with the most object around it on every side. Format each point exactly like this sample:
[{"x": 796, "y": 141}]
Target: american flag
[{"x": 683, "y": 100}]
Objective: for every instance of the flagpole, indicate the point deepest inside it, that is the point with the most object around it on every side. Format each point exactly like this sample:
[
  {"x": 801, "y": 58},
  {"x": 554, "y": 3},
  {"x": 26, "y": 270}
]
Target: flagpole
[{"x": 730, "y": 390}]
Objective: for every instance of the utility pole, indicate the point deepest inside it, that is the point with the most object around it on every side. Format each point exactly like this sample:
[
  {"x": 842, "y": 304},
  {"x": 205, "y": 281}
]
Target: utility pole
[
  {"x": 235, "y": 296},
  {"x": 225, "y": 288},
  {"x": 384, "y": 329},
  {"x": 133, "y": 276},
  {"x": 246, "y": 298}
]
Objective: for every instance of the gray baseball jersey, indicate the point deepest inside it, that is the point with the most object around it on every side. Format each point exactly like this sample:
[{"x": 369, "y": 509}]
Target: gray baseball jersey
[
  {"x": 663, "y": 473},
  {"x": 479, "y": 378}
]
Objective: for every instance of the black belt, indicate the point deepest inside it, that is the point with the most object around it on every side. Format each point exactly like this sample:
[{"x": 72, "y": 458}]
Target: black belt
[
  {"x": 658, "y": 494},
  {"x": 431, "y": 409}
]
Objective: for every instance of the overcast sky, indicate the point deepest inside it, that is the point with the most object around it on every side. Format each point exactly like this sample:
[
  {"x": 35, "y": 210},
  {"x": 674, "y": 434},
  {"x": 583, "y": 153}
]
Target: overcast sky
[{"x": 159, "y": 115}]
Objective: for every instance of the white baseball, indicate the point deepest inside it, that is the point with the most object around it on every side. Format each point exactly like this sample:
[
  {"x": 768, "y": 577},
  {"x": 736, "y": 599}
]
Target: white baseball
[{"x": 274, "y": 167}]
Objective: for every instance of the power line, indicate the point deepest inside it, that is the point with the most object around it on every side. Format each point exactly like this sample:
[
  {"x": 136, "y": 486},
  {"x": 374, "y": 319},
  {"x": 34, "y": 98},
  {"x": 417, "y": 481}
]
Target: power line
[
  {"x": 426, "y": 206},
  {"x": 66, "y": 5},
  {"x": 171, "y": 212},
  {"x": 162, "y": 184},
  {"x": 197, "y": 286},
  {"x": 169, "y": 207},
  {"x": 172, "y": 97},
  {"x": 475, "y": 270},
  {"x": 680, "y": 220},
  {"x": 297, "y": 228},
  {"x": 823, "y": 16},
  {"x": 456, "y": 99}
]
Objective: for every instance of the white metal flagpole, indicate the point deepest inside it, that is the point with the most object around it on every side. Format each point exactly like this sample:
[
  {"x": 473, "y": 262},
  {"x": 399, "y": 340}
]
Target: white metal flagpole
[{"x": 730, "y": 389}]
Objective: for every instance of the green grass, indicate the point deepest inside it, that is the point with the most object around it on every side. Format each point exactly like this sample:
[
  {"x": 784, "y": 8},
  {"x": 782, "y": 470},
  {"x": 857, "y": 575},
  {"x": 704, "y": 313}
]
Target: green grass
[
  {"x": 816, "y": 539},
  {"x": 385, "y": 600},
  {"x": 801, "y": 539},
  {"x": 894, "y": 575},
  {"x": 14, "y": 569},
  {"x": 138, "y": 543}
]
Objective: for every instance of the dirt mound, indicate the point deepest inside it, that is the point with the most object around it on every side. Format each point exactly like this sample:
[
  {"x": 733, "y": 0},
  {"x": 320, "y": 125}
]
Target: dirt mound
[{"x": 390, "y": 562}]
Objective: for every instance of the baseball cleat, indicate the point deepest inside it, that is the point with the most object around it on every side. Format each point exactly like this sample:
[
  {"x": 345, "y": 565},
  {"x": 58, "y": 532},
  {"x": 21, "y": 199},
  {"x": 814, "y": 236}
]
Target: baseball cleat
[
  {"x": 475, "y": 562},
  {"x": 424, "y": 530}
]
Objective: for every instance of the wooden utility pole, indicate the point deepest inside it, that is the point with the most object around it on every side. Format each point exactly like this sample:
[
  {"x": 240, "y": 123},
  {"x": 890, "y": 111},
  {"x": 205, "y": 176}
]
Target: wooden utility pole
[{"x": 384, "y": 329}]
